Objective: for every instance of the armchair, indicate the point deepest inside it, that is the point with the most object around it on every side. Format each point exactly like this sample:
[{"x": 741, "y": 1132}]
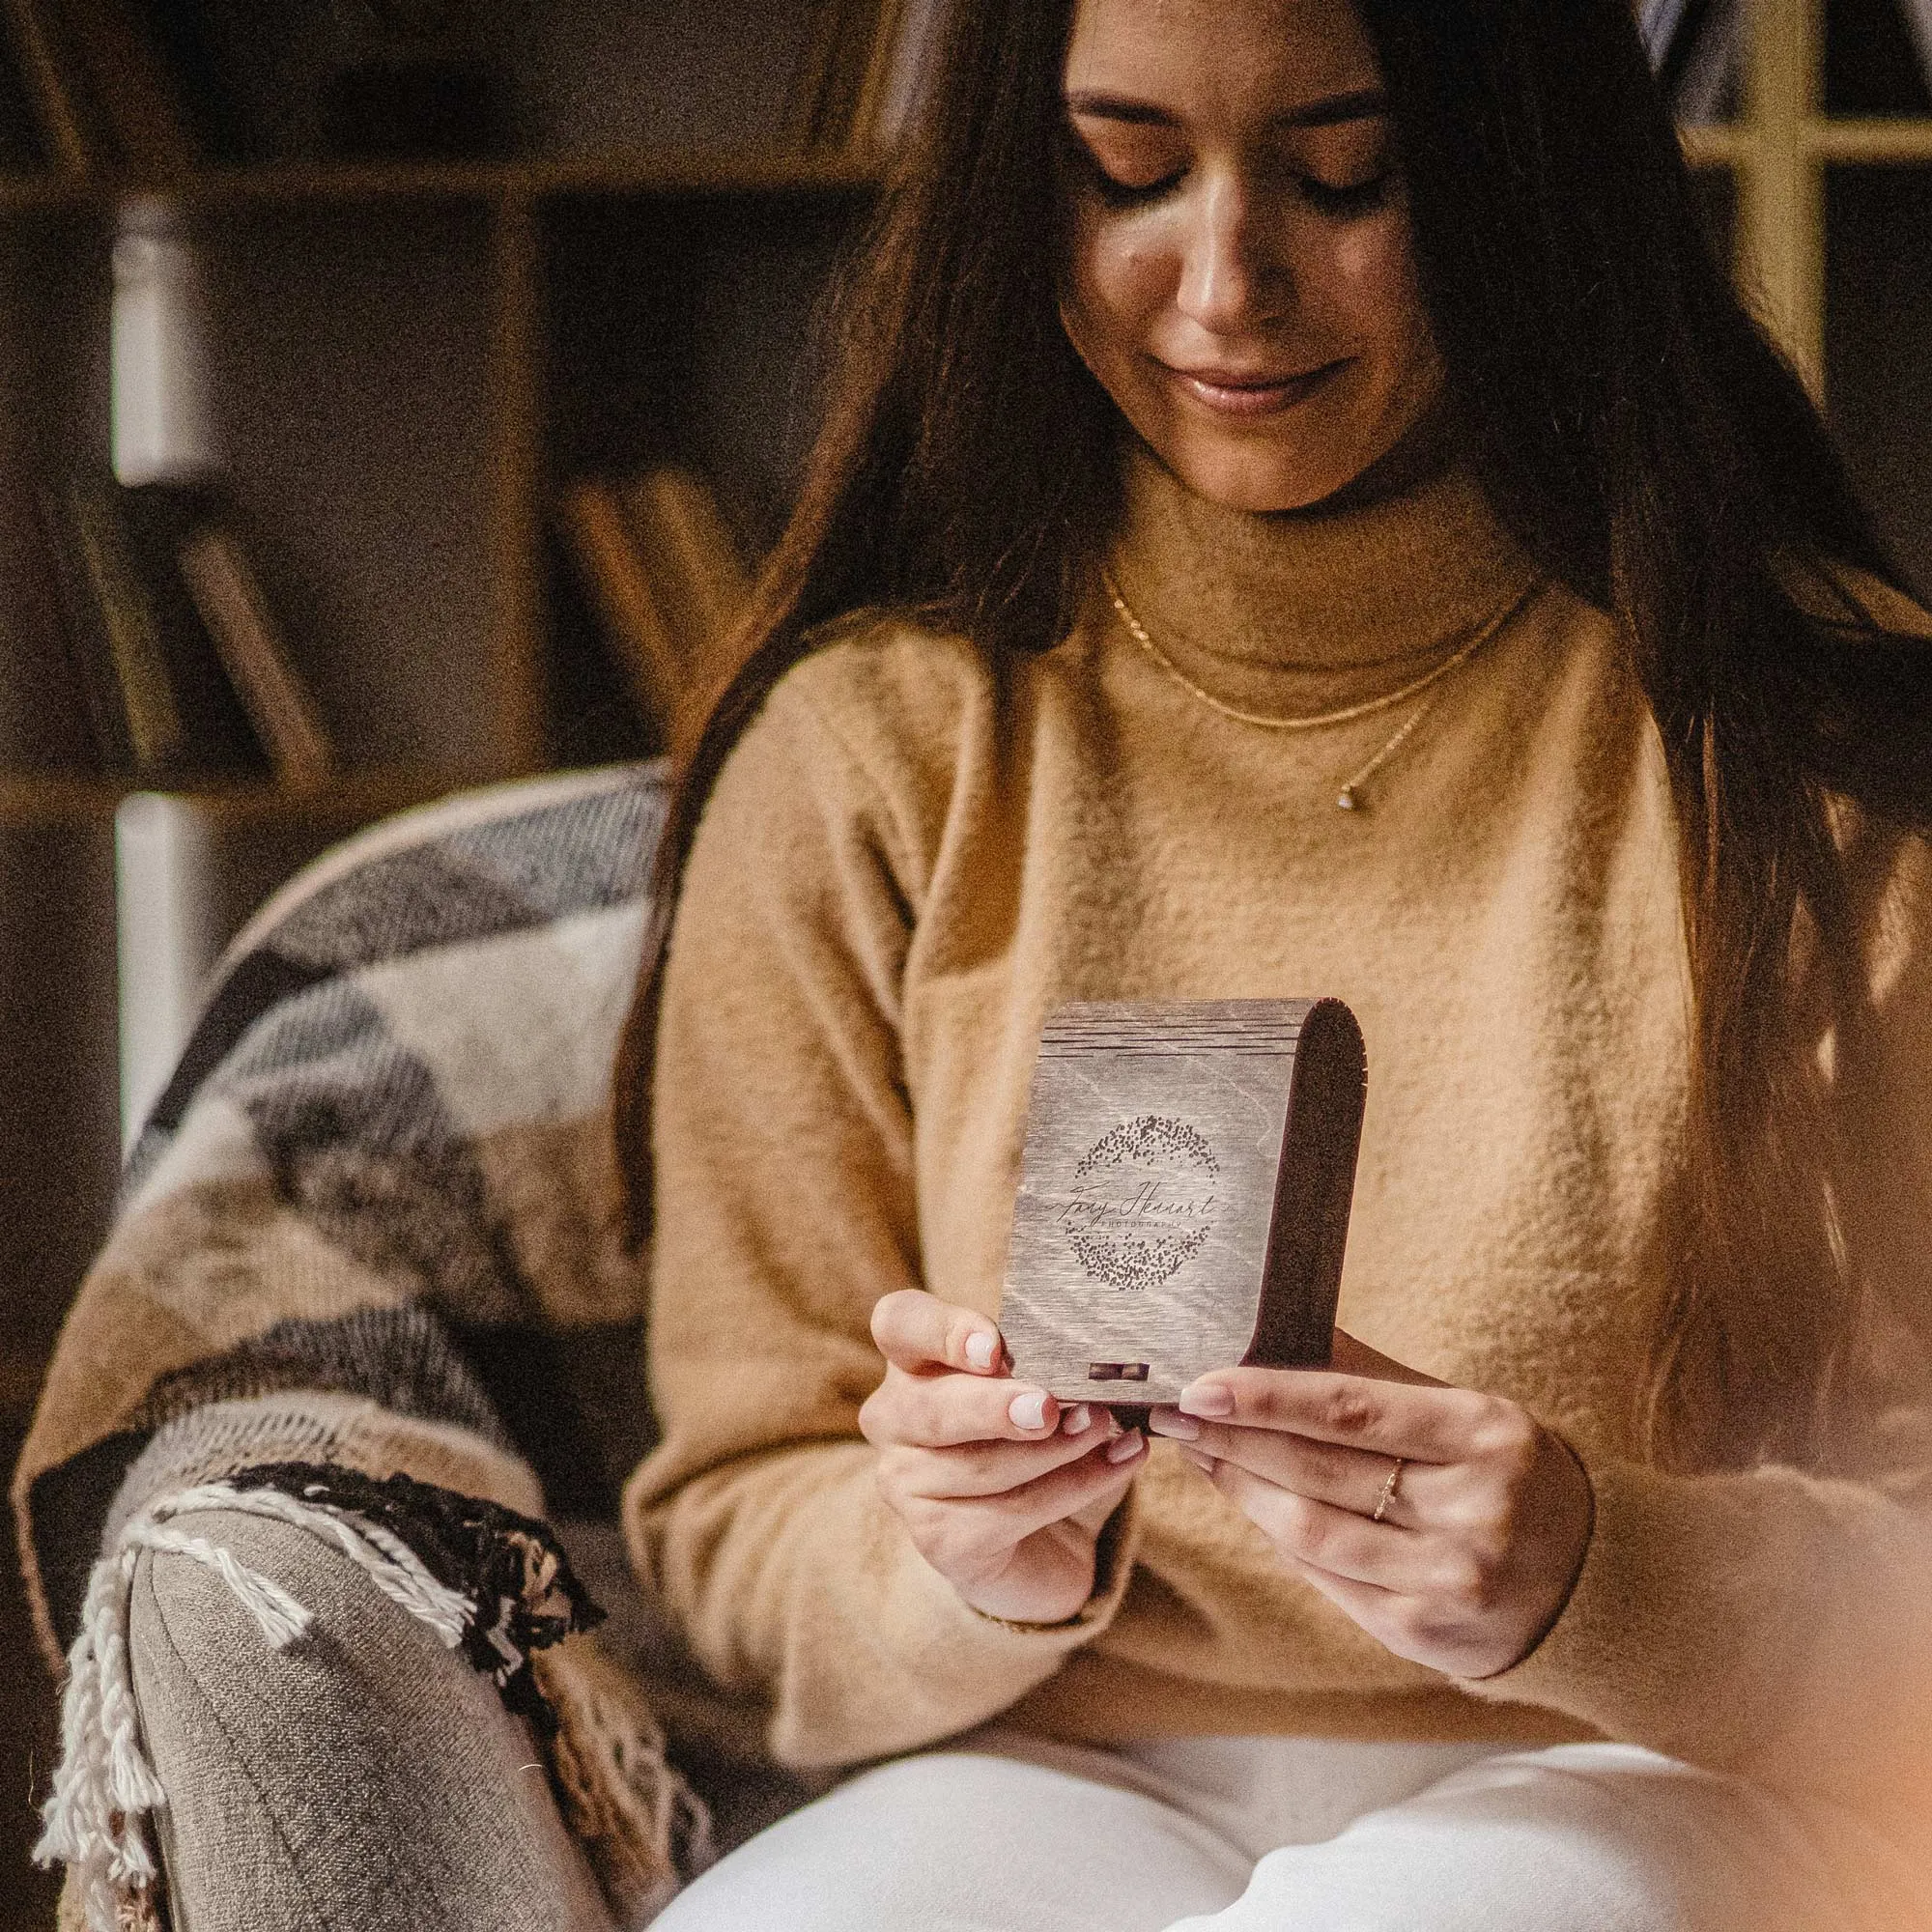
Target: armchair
[{"x": 367, "y": 1289}]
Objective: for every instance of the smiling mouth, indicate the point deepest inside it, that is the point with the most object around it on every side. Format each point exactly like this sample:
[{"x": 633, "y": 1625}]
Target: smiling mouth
[{"x": 1251, "y": 395}]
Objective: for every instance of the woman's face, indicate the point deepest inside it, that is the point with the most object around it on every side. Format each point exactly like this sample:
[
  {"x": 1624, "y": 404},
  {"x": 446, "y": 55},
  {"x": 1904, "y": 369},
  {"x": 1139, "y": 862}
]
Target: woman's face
[{"x": 1240, "y": 274}]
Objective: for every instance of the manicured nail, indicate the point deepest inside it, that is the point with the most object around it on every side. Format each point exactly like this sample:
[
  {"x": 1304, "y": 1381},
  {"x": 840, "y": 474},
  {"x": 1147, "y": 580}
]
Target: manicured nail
[
  {"x": 981, "y": 1349},
  {"x": 1201, "y": 1460},
  {"x": 1207, "y": 1399},
  {"x": 1028, "y": 1410},
  {"x": 1171, "y": 1422},
  {"x": 1077, "y": 1420},
  {"x": 1124, "y": 1448}
]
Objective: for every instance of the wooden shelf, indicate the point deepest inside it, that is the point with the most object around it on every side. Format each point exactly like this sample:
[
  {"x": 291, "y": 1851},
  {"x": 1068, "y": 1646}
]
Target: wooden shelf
[
  {"x": 46, "y": 190},
  {"x": 1717, "y": 143},
  {"x": 658, "y": 172},
  {"x": 402, "y": 361},
  {"x": 55, "y": 798},
  {"x": 1903, "y": 141}
]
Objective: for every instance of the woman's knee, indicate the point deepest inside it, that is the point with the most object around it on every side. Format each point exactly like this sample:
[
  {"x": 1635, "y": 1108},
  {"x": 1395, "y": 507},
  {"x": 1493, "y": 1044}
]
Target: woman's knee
[
  {"x": 974, "y": 1842},
  {"x": 363, "y": 1776},
  {"x": 1606, "y": 1836}
]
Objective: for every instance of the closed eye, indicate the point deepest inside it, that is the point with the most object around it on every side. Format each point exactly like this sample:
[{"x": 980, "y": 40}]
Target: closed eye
[
  {"x": 1350, "y": 201},
  {"x": 1134, "y": 194},
  {"x": 1345, "y": 202}
]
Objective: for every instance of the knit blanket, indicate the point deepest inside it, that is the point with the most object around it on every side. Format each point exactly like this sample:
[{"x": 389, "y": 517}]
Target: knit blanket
[{"x": 372, "y": 1226}]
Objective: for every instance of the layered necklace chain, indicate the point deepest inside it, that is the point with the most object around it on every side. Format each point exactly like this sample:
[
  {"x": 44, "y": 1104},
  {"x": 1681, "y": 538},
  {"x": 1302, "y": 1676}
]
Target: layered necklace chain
[{"x": 1423, "y": 689}]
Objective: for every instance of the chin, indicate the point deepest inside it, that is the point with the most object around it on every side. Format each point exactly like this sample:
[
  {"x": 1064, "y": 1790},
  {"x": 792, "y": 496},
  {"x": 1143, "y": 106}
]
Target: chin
[
  {"x": 1284, "y": 466},
  {"x": 1262, "y": 482}
]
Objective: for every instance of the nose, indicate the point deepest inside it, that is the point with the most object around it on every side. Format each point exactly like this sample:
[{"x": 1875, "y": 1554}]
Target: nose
[{"x": 1233, "y": 273}]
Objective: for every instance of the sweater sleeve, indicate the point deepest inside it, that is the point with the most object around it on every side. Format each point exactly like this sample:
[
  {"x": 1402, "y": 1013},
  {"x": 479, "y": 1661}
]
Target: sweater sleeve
[
  {"x": 785, "y": 1207},
  {"x": 1772, "y": 1622}
]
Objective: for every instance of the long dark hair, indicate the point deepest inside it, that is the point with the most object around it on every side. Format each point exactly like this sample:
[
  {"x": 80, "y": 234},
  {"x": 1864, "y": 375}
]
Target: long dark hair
[{"x": 1632, "y": 427}]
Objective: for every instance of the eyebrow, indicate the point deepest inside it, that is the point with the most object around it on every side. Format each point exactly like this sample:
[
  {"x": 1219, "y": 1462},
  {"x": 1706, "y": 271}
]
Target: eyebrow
[{"x": 1332, "y": 111}]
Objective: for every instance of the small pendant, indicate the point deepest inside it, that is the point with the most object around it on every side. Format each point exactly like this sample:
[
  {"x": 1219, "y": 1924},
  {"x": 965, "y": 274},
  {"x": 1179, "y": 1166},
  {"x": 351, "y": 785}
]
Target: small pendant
[{"x": 1346, "y": 802}]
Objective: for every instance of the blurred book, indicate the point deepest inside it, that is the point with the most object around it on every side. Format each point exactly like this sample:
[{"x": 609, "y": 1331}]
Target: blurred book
[
  {"x": 45, "y": 713},
  {"x": 908, "y": 71},
  {"x": 111, "y": 631},
  {"x": 72, "y": 146},
  {"x": 597, "y": 535},
  {"x": 1871, "y": 53},
  {"x": 666, "y": 580},
  {"x": 155, "y": 520},
  {"x": 830, "y": 80},
  {"x": 239, "y": 619},
  {"x": 102, "y": 93},
  {"x": 231, "y": 676},
  {"x": 162, "y": 705},
  {"x": 1695, "y": 49},
  {"x": 680, "y": 529},
  {"x": 83, "y": 631},
  {"x": 859, "y": 86}
]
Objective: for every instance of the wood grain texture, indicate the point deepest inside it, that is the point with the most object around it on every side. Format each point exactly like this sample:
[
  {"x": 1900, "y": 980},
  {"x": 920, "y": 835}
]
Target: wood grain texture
[{"x": 1184, "y": 1193}]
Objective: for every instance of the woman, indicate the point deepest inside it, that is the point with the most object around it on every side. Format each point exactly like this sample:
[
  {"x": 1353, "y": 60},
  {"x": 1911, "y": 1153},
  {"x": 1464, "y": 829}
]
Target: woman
[{"x": 1253, "y": 406}]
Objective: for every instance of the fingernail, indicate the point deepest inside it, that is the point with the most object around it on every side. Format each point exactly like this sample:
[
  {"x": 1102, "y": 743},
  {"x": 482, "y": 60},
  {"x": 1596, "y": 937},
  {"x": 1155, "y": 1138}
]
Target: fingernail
[
  {"x": 1124, "y": 1448},
  {"x": 1028, "y": 1410},
  {"x": 1207, "y": 1399},
  {"x": 1201, "y": 1460},
  {"x": 982, "y": 1348},
  {"x": 1171, "y": 1422},
  {"x": 1077, "y": 1420}
]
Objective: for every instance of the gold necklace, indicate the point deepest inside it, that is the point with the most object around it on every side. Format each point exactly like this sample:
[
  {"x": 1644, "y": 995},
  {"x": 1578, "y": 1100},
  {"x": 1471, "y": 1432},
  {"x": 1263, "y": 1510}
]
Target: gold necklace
[{"x": 1349, "y": 799}]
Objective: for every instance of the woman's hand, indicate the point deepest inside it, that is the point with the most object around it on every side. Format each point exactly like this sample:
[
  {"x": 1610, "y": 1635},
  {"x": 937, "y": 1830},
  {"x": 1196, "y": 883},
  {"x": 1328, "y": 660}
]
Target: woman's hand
[
  {"x": 1483, "y": 1529},
  {"x": 1003, "y": 1491}
]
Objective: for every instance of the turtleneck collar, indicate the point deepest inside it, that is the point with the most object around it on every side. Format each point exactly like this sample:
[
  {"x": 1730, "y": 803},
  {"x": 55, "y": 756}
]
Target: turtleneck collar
[{"x": 1399, "y": 566}]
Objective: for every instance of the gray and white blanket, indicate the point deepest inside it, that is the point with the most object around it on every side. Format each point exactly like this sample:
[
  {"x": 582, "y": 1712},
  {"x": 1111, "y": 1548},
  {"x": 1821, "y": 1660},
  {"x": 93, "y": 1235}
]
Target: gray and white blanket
[{"x": 373, "y": 1225}]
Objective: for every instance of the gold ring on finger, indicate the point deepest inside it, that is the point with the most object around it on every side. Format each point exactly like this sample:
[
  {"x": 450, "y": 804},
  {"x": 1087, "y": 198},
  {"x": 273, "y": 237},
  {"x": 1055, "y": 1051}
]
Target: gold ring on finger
[{"x": 1387, "y": 1496}]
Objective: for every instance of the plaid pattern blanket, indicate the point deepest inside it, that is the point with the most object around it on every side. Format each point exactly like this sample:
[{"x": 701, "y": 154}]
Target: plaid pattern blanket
[{"x": 373, "y": 1221}]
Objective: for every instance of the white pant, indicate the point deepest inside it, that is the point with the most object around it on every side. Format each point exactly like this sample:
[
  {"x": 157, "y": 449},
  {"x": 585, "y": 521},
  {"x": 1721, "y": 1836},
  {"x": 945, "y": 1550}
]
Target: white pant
[{"x": 1282, "y": 1834}]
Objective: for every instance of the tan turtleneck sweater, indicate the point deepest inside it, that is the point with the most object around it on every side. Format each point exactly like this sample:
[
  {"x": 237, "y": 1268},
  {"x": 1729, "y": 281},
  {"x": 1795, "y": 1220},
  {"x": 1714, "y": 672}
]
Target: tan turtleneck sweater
[{"x": 913, "y": 854}]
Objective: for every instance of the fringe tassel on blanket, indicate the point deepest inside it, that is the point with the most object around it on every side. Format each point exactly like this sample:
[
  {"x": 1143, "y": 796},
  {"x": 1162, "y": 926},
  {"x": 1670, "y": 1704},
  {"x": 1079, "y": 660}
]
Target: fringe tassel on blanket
[{"x": 483, "y": 1578}]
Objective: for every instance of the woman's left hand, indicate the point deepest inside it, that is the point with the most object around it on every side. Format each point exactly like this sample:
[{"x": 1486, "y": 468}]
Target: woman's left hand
[{"x": 1482, "y": 1531}]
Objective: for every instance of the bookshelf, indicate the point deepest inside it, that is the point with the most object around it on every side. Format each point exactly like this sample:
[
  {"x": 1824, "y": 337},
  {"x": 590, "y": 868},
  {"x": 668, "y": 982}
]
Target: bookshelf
[{"x": 406, "y": 359}]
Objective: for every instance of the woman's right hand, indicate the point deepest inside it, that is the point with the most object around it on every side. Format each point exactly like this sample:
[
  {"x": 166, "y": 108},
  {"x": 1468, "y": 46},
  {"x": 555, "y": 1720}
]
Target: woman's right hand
[{"x": 1003, "y": 1491}]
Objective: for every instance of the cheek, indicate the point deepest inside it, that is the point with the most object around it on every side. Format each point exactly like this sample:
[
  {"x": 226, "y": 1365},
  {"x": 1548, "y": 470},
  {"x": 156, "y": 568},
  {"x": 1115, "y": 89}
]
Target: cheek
[
  {"x": 1374, "y": 287},
  {"x": 1116, "y": 285}
]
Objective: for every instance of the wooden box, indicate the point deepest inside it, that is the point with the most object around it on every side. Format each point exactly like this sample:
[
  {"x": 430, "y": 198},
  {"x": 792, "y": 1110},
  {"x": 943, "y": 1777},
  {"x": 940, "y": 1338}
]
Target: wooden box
[{"x": 1184, "y": 1193}]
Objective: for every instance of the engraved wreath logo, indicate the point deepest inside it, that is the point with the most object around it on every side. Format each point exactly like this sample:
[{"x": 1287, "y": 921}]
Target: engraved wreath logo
[{"x": 1144, "y": 1203}]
